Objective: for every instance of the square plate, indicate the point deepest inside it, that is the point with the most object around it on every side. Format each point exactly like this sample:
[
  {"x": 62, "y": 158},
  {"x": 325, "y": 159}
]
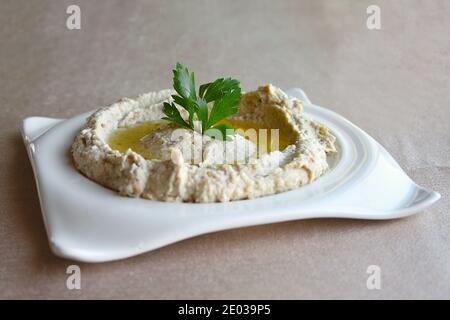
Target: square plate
[{"x": 90, "y": 223}]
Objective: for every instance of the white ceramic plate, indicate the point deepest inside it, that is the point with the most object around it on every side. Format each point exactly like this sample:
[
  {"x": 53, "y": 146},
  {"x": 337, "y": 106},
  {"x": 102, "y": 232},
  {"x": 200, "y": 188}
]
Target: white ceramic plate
[{"x": 90, "y": 223}]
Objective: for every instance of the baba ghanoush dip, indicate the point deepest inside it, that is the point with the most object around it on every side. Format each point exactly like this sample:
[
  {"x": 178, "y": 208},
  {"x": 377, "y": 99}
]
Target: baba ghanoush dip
[
  {"x": 213, "y": 144},
  {"x": 127, "y": 147}
]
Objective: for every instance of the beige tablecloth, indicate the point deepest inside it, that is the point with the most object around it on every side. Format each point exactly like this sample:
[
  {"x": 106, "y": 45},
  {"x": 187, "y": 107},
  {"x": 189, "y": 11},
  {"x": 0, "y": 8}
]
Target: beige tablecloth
[{"x": 394, "y": 83}]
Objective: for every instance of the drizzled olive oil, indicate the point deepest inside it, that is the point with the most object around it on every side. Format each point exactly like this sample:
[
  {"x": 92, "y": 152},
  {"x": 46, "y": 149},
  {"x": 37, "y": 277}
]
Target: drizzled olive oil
[
  {"x": 266, "y": 140},
  {"x": 128, "y": 138}
]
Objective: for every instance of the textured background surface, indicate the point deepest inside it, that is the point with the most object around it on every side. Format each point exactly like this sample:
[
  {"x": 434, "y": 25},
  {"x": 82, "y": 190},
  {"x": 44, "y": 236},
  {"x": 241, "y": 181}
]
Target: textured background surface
[{"x": 394, "y": 83}]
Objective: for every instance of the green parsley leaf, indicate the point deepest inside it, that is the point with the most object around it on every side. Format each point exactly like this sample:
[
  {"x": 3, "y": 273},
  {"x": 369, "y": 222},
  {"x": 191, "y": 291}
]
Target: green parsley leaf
[
  {"x": 224, "y": 94},
  {"x": 202, "y": 113},
  {"x": 225, "y": 107},
  {"x": 218, "y": 89},
  {"x": 173, "y": 115},
  {"x": 202, "y": 89},
  {"x": 189, "y": 105},
  {"x": 184, "y": 82}
]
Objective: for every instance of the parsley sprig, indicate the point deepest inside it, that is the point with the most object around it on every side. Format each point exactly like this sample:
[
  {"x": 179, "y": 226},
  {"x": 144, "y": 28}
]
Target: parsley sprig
[{"x": 223, "y": 94}]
